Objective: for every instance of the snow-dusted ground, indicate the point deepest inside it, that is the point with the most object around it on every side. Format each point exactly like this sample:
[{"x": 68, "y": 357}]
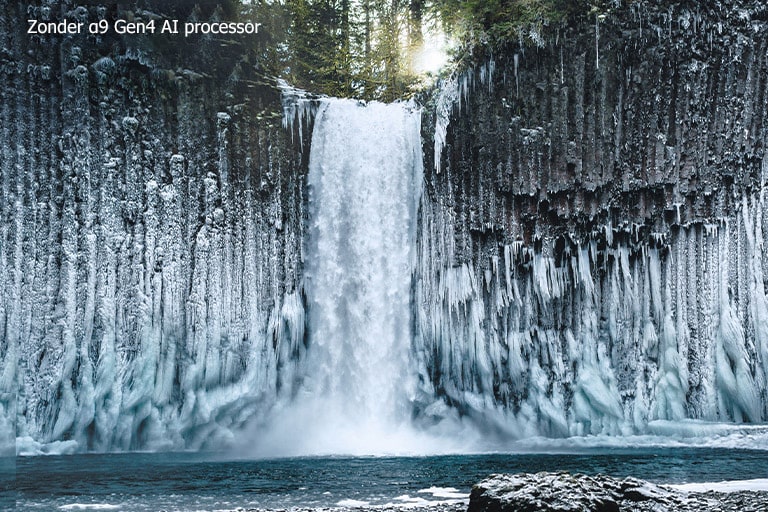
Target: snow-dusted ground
[
  {"x": 756, "y": 484},
  {"x": 564, "y": 492}
]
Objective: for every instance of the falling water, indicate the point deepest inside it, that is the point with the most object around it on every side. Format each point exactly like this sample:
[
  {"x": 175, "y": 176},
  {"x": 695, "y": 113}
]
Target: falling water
[
  {"x": 357, "y": 380},
  {"x": 365, "y": 175}
]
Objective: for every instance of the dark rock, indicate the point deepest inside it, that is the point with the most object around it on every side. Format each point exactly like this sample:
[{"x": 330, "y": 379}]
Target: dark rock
[{"x": 564, "y": 492}]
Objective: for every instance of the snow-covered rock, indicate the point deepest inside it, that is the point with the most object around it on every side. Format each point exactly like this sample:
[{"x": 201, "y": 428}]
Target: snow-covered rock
[{"x": 565, "y": 492}]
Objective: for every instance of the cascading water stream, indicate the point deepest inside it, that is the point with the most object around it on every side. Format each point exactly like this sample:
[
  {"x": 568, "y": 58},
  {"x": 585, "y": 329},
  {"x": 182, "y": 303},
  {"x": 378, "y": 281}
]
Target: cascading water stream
[
  {"x": 357, "y": 381},
  {"x": 365, "y": 175}
]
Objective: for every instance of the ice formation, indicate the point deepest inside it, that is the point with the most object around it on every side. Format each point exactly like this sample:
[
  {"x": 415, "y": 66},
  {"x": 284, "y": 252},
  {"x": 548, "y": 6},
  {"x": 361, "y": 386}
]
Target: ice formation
[
  {"x": 141, "y": 289},
  {"x": 167, "y": 282},
  {"x": 600, "y": 341}
]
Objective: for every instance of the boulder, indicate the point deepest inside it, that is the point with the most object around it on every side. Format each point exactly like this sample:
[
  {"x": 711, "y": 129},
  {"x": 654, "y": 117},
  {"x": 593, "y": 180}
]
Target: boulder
[{"x": 565, "y": 492}]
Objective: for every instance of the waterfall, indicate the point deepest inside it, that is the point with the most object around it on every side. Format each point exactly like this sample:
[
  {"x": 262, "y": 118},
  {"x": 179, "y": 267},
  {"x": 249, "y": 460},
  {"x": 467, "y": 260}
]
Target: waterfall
[
  {"x": 364, "y": 178},
  {"x": 353, "y": 391}
]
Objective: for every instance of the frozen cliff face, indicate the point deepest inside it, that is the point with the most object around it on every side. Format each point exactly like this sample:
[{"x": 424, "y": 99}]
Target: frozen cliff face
[
  {"x": 151, "y": 227},
  {"x": 592, "y": 249},
  {"x": 588, "y": 254}
]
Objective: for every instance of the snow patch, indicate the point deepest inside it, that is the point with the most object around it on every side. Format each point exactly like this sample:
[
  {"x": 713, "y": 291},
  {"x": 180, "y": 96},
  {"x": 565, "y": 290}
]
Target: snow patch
[
  {"x": 757, "y": 484},
  {"x": 26, "y": 446}
]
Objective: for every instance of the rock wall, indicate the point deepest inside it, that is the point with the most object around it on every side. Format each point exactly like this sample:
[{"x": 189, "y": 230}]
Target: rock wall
[
  {"x": 590, "y": 248},
  {"x": 594, "y": 223},
  {"x": 150, "y": 236}
]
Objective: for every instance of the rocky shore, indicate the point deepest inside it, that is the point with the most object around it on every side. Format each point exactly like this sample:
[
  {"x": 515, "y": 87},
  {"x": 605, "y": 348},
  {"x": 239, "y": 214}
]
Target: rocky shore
[
  {"x": 564, "y": 492},
  {"x": 446, "y": 507},
  {"x": 746, "y": 501}
]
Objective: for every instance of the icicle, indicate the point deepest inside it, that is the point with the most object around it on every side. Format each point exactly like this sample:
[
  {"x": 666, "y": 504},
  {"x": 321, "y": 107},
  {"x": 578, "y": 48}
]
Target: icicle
[
  {"x": 597, "y": 42},
  {"x": 299, "y": 108},
  {"x": 516, "y": 60}
]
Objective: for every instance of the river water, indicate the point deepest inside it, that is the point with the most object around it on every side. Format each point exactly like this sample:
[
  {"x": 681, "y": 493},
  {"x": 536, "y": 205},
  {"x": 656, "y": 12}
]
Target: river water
[{"x": 192, "y": 482}]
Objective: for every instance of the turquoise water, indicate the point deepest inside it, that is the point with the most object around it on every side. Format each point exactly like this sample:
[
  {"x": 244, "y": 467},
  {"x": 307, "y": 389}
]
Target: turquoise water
[{"x": 185, "y": 481}]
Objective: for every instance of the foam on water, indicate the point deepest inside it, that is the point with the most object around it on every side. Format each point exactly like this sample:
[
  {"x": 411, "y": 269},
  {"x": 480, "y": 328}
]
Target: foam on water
[
  {"x": 352, "y": 503},
  {"x": 89, "y": 506},
  {"x": 444, "y": 492}
]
